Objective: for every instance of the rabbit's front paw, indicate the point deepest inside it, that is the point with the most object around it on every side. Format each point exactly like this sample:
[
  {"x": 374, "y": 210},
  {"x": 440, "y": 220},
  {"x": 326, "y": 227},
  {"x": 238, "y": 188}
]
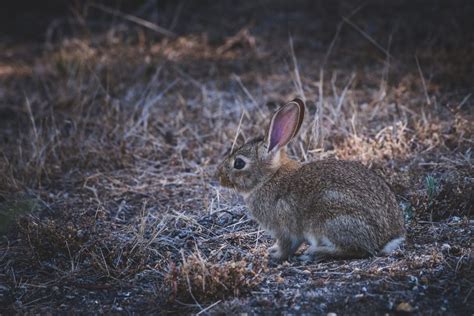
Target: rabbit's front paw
[
  {"x": 305, "y": 258},
  {"x": 275, "y": 252}
]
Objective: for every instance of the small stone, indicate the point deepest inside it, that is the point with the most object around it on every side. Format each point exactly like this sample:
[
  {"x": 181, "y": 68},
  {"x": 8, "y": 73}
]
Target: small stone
[
  {"x": 81, "y": 234},
  {"x": 279, "y": 280},
  {"x": 331, "y": 314},
  {"x": 404, "y": 307},
  {"x": 413, "y": 279},
  {"x": 455, "y": 219},
  {"x": 445, "y": 247},
  {"x": 390, "y": 305},
  {"x": 424, "y": 280}
]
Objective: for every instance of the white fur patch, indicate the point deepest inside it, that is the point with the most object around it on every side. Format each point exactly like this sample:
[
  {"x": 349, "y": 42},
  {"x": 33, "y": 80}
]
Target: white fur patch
[
  {"x": 312, "y": 240},
  {"x": 325, "y": 242},
  {"x": 333, "y": 195},
  {"x": 393, "y": 245},
  {"x": 336, "y": 195},
  {"x": 316, "y": 242},
  {"x": 245, "y": 195}
]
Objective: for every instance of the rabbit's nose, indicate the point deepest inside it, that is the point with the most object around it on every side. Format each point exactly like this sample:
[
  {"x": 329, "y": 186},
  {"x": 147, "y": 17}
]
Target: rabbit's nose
[
  {"x": 218, "y": 174},
  {"x": 221, "y": 176}
]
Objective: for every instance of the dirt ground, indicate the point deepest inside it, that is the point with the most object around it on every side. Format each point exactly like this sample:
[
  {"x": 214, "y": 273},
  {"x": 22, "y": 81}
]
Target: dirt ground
[{"x": 113, "y": 120}]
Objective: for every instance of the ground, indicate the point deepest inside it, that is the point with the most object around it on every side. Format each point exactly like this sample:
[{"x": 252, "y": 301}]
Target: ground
[{"x": 111, "y": 129}]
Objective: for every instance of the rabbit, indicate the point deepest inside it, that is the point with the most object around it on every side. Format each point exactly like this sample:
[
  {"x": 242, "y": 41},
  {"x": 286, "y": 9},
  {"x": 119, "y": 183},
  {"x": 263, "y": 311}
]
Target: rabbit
[{"x": 341, "y": 208}]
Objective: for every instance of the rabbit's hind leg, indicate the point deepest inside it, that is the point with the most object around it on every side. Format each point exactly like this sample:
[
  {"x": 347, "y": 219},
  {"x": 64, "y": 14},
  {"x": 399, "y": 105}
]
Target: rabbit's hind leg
[
  {"x": 330, "y": 252},
  {"x": 345, "y": 237},
  {"x": 352, "y": 236}
]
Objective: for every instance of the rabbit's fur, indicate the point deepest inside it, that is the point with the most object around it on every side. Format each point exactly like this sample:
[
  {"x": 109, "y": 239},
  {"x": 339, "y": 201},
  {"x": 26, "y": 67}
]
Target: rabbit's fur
[{"x": 342, "y": 208}]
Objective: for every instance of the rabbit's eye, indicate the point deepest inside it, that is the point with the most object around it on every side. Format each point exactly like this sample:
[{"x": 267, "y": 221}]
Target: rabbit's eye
[{"x": 239, "y": 163}]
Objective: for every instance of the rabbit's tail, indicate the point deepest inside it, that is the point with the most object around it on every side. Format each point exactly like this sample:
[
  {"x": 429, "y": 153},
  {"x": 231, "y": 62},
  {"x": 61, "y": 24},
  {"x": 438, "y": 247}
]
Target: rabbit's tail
[{"x": 392, "y": 245}]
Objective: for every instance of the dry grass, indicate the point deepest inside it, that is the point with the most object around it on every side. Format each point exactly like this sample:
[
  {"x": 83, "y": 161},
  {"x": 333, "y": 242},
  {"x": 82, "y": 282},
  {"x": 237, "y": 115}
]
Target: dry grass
[
  {"x": 199, "y": 280},
  {"x": 110, "y": 137}
]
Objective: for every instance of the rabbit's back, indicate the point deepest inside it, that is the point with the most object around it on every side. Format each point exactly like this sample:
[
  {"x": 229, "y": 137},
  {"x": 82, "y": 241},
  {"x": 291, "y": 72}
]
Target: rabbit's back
[
  {"x": 337, "y": 183},
  {"x": 346, "y": 189}
]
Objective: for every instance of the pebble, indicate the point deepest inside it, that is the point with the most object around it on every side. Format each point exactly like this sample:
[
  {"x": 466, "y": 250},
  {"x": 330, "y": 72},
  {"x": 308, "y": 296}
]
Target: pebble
[
  {"x": 404, "y": 307},
  {"x": 445, "y": 247}
]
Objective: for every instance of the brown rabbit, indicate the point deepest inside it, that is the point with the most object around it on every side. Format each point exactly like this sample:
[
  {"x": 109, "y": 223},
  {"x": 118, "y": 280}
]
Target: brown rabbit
[{"x": 343, "y": 209}]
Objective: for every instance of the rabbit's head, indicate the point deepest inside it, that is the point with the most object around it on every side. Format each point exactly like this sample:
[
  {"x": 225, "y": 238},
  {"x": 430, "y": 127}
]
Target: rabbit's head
[{"x": 258, "y": 159}]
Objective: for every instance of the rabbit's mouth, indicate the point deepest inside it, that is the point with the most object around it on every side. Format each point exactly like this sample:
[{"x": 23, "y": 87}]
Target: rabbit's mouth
[
  {"x": 225, "y": 182},
  {"x": 223, "y": 179}
]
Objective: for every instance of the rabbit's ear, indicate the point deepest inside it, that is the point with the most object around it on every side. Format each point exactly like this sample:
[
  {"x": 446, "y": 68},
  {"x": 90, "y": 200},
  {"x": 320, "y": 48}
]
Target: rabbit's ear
[
  {"x": 240, "y": 140},
  {"x": 285, "y": 124}
]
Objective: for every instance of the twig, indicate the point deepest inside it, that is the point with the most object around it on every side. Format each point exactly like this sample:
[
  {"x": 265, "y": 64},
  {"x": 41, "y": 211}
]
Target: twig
[
  {"x": 176, "y": 16},
  {"x": 247, "y": 93},
  {"x": 467, "y": 296},
  {"x": 32, "y": 119},
  {"x": 189, "y": 283},
  {"x": 423, "y": 81},
  {"x": 317, "y": 128},
  {"x": 338, "y": 31},
  {"x": 384, "y": 80},
  {"x": 343, "y": 94},
  {"x": 209, "y": 307},
  {"x": 237, "y": 132},
  {"x": 430, "y": 223},
  {"x": 367, "y": 36},
  {"x": 464, "y": 100},
  {"x": 297, "y": 81},
  {"x": 135, "y": 19}
]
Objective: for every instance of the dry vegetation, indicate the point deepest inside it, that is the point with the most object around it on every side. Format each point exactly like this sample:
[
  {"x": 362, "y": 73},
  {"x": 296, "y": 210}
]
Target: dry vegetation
[{"x": 110, "y": 133}]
